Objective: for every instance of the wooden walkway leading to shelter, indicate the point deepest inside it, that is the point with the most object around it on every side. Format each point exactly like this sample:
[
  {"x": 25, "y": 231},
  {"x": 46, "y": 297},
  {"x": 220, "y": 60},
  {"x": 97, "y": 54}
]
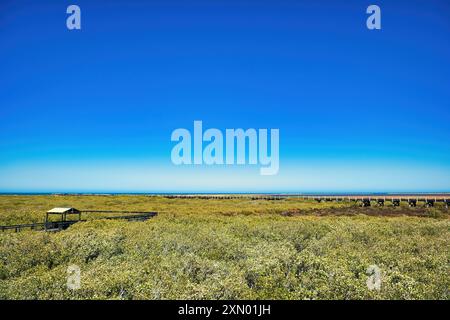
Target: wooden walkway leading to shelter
[
  {"x": 62, "y": 225},
  {"x": 49, "y": 226}
]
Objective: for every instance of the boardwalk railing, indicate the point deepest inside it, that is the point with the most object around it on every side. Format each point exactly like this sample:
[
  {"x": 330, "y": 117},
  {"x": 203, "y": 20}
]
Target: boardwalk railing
[
  {"x": 366, "y": 201},
  {"x": 49, "y": 226},
  {"x": 129, "y": 215},
  {"x": 428, "y": 199},
  {"x": 225, "y": 197},
  {"x": 152, "y": 213},
  {"x": 62, "y": 225},
  {"x": 134, "y": 217}
]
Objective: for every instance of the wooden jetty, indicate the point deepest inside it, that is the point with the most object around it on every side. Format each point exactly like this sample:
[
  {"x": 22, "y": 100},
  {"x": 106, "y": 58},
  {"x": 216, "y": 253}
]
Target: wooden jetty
[
  {"x": 63, "y": 223},
  {"x": 395, "y": 200},
  {"x": 428, "y": 200}
]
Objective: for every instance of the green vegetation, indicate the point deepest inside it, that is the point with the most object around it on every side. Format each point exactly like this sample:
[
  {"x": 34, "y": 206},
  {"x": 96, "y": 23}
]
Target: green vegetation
[{"x": 226, "y": 249}]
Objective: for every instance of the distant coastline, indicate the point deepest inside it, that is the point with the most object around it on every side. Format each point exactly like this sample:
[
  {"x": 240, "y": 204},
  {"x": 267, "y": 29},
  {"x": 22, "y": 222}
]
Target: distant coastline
[{"x": 293, "y": 194}]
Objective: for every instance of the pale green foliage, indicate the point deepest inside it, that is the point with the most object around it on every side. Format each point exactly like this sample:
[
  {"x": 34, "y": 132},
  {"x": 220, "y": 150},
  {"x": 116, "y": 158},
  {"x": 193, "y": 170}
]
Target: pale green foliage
[{"x": 226, "y": 249}]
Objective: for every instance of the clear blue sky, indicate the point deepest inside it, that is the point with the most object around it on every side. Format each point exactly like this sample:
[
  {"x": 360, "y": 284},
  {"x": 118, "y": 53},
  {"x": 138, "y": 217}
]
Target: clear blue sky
[{"x": 93, "y": 110}]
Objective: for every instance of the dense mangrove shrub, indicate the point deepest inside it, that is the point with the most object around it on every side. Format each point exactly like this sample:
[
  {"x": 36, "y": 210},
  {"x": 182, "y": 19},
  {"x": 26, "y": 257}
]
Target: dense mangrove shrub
[{"x": 193, "y": 254}]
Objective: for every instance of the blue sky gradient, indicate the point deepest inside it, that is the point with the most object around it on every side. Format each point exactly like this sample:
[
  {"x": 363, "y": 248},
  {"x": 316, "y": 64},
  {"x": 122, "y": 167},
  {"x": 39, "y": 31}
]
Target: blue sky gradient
[{"x": 93, "y": 110}]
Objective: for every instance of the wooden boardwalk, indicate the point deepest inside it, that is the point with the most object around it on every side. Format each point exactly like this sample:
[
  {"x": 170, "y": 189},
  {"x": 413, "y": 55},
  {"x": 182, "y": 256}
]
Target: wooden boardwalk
[
  {"x": 49, "y": 226},
  {"x": 395, "y": 200},
  {"x": 62, "y": 225},
  {"x": 412, "y": 200}
]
